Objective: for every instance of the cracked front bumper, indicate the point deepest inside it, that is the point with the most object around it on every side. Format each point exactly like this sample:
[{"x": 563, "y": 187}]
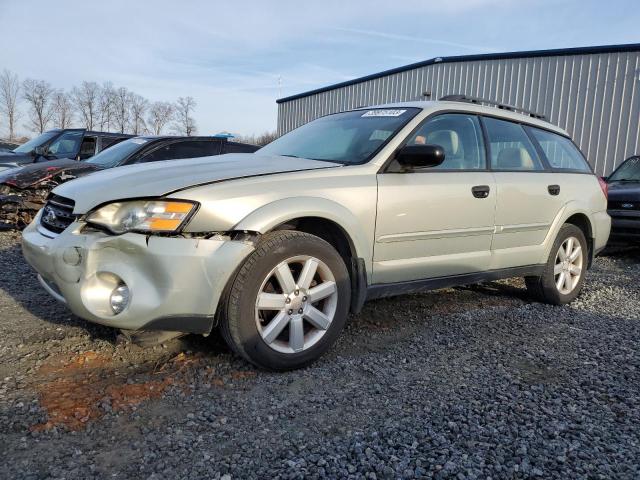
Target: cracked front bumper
[{"x": 175, "y": 283}]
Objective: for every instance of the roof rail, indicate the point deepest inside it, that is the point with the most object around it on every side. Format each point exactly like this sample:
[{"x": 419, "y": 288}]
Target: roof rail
[{"x": 502, "y": 106}]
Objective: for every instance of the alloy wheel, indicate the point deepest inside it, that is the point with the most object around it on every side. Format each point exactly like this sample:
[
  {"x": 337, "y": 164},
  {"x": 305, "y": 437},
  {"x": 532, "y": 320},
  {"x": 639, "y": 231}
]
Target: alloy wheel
[
  {"x": 568, "y": 265},
  {"x": 296, "y": 304}
]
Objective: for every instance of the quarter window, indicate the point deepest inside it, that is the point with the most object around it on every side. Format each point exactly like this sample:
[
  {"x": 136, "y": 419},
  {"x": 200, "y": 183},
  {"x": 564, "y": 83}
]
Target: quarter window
[
  {"x": 560, "y": 151},
  {"x": 459, "y": 136},
  {"x": 510, "y": 146}
]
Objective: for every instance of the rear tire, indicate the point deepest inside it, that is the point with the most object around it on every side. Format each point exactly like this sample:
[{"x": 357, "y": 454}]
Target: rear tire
[
  {"x": 288, "y": 302},
  {"x": 563, "y": 275}
]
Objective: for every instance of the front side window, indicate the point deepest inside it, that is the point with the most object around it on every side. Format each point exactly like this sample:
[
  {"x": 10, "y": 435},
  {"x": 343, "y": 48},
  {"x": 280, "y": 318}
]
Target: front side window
[
  {"x": 510, "y": 146},
  {"x": 560, "y": 151},
  {"x": 347, "y": 138},
  {"x": 66, "y": 145},
  {"x": 459, "y": 136}
]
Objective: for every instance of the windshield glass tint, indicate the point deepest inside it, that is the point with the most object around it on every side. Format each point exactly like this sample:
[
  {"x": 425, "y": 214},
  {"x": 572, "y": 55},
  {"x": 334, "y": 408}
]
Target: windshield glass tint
[
  {"x": 628, "y": 171},
  {"x": 349, "y": 138},
  {"x": 115, "y": 155},
  {"x": 35, "y": 142}
]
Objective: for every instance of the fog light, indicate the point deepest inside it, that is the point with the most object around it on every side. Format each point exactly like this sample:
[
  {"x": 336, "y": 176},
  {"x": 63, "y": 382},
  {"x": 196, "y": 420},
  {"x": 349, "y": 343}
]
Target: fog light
[{"x": 119, "y": 299}]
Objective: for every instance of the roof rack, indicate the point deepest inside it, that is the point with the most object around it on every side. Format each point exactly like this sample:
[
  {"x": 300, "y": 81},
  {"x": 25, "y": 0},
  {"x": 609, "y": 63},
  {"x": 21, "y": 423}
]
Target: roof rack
[{"x": 502, "y": 106}]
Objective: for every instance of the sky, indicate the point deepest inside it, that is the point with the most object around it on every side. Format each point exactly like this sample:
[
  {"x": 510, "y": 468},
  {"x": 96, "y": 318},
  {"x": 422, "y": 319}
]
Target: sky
[{"x": 236, "y": 58}]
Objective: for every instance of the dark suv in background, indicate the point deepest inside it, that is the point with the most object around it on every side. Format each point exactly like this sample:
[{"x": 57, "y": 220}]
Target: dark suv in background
[
  {"x": 23, "y": 191},
  {"x": 73, "y": 143},
  {"x": 624, "y": 201}
]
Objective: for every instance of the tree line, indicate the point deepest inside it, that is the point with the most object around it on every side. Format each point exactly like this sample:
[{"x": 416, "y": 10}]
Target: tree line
[{"x": 91, "y": 106}]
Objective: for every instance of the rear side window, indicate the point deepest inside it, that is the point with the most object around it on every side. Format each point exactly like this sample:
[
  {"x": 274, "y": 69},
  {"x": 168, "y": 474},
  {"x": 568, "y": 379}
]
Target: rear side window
[
  {"x": 233, "y": 147},
  {"x": 459, "y": 136},
  {"x": 510, "y": 146},
  {"x": 189, "y": 149},
  {"x": 560, "y": 151}
]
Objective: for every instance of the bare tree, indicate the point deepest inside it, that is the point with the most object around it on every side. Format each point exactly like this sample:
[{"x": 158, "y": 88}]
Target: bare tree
[
  {"x": 121, "y": 109},
  {"x": 86, "y": 98},
  {"x": 184, "y": 123},
  {"x": 261, "y": 140},
  {"x": 106, "y": 102},
  {"x": 9, "y": 90},
  {"x": 62, "y": 109},
  {"x": 139, "y": 106},
  {"x": 39, "y": 96},
  {"x": 160, "y": 114}
]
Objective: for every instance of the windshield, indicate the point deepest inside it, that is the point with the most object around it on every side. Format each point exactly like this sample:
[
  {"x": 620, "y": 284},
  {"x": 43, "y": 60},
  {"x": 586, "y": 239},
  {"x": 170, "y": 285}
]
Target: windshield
[
  {"x": 35, "y": 142},
  {"x": 348, "y": 138},
  {"x": 114, "y": 156},
  {"x": 629, "y": 171}
]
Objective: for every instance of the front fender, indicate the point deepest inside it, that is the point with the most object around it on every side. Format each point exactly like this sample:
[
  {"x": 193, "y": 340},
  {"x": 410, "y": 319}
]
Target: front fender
[{"x": 278, "y": 212}]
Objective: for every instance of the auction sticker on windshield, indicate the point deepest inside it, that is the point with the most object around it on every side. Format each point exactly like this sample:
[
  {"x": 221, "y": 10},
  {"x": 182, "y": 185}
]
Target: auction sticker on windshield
[{"x": 383, "y": 113}]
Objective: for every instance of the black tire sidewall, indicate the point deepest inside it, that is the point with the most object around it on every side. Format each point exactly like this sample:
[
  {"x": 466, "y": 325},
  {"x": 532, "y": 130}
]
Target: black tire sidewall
[
  {"x": 242, "y": 313},
  {"x": 550, "y": 291}
]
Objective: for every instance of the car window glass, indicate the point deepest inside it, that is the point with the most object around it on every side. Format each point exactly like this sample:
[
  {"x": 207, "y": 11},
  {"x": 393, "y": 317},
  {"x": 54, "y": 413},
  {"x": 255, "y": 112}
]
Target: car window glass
[
  {"x": 510, "y": 146},
  {"x": 233, "y": 147},
  {"x": 67, "y": 144},
  {"x": 189, "y": 149},
  {"x": 629, "y": 171},
  {"x": 560, "y": 151},
  {"x": 459, "y": 136},
  {"x": 88, "y": 147}
]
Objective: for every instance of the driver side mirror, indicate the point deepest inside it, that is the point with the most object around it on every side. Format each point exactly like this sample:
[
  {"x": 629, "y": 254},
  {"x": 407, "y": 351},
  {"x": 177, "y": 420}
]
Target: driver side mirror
[
  {"x": 40, "y": 151},
  {"x": 420, "y": 156}
]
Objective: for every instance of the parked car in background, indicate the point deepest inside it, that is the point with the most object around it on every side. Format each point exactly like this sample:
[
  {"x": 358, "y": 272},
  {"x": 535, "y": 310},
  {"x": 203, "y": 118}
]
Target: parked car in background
[
  {"x": 23, "y": 191},
  {"x": 72, "y": 143},
  {"x": 7, "y": 146},
  {"x": 624, "y": 201},
  {"x": 276, "y": 247}
]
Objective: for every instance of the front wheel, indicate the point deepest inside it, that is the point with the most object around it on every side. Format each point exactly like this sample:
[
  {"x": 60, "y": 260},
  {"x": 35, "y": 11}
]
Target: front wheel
[
  {"x": 563, "y": 276},
  {"x": 288, "y": 302}
]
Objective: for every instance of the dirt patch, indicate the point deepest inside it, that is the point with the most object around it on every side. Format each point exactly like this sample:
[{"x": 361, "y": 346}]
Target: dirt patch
[{"x": 76, "y": 390}]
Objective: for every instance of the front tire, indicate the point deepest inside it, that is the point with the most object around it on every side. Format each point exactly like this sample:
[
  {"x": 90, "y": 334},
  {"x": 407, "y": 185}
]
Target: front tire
[
  {"x": 563, "y": 276},
  {"x": 288, "y": 302}
]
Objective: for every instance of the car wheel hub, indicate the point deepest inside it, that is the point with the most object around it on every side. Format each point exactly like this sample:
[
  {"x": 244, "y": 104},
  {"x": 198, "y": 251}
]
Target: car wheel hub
[
  {"x": 568, "y": 265},
  {"x": 296, "y": 304}
]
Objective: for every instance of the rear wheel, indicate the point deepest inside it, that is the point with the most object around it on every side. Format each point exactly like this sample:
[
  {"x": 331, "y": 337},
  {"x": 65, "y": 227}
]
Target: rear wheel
[
  {"x": 288, "y": 302},
  {"x": 563, "y": 276}
]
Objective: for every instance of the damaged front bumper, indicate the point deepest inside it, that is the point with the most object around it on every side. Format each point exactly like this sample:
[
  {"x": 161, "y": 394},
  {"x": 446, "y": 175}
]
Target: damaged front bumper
[{"x": 175, "y": 284}]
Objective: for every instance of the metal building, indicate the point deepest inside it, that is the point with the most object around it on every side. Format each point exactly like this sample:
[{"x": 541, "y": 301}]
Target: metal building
[{"x": 592, "y": 92}]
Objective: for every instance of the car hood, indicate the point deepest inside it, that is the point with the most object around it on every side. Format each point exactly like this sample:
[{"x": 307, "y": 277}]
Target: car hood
[
  {"x": 9, "y": 157},
  {"x": 161, "y": 178},
  {"x": 35, "y": 173},
  {"x": 624, "y": 190}
]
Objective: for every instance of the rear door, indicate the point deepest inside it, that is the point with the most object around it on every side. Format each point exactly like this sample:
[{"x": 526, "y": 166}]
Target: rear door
[
  {"x": 439, "y": 221},
  {"x": 530, "y": 196}
]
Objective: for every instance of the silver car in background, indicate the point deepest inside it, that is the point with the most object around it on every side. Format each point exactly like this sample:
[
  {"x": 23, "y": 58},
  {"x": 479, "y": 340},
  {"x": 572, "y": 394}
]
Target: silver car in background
[{"x": 275, "y": 248}]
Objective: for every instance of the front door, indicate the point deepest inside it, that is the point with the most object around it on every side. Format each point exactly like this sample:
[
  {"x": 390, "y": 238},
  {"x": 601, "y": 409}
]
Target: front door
[{"x": 438, "y": 221}]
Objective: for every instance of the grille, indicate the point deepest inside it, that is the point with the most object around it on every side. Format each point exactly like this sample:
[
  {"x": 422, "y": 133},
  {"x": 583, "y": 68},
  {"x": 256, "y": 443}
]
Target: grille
[
  {"x": 57, "y": 214},
  {"x": 624, "y": 205}
]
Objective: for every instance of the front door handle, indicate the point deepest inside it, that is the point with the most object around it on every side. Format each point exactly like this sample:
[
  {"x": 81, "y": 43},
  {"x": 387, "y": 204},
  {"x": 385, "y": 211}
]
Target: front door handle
[
  {"x": 480, "y": 191},
  {"x": 554, "y": 189}
]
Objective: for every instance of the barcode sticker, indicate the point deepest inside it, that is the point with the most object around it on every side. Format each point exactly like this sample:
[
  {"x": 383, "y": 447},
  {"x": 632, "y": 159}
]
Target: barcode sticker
[{"x": 383, "y": 113}]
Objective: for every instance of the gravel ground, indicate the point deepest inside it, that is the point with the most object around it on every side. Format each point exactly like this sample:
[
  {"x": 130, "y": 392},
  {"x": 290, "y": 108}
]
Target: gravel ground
[{"x": 459, "y": 383}]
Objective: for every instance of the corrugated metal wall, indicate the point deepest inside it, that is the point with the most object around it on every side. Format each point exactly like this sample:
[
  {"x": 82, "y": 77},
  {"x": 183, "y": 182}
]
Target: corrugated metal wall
[{"x": 595, "y": 97}]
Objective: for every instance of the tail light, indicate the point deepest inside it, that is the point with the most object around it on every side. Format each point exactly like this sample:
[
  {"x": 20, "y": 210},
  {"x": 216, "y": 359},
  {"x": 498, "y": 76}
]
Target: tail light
[{"x": 604, "y": 186}]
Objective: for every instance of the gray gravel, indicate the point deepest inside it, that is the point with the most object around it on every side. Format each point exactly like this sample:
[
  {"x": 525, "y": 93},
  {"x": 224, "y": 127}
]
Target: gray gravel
[{"x": 460, "y": 383}]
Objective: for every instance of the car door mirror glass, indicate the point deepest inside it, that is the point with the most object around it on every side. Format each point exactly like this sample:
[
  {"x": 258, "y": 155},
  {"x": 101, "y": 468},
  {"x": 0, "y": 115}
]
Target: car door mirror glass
[{"x": 421, "y": 156}]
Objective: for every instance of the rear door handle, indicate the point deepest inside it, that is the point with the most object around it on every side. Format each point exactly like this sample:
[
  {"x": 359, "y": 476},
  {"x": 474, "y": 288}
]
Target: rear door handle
[
  {"x": 480, "y": 191},
  {"x": 554, "y": 189}
]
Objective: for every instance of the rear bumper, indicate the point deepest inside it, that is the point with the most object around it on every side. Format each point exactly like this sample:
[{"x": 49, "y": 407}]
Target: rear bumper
[
  {"x": 175, "y": 283},
  {"x": 601, "y": 230}
]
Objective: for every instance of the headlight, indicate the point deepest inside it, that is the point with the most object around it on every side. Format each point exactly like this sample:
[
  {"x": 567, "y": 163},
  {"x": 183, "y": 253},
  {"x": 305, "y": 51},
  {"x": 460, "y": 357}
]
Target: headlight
[{"x": 143, "y": 215}]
